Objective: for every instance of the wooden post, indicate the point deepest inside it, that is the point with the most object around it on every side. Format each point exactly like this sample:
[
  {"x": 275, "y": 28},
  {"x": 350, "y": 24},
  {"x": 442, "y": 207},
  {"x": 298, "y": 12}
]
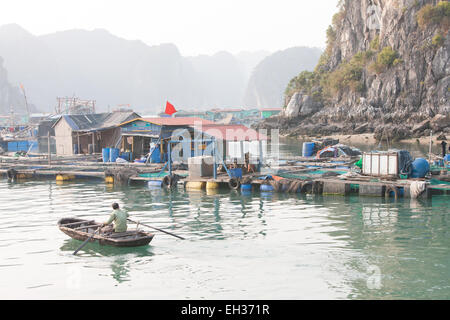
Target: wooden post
[
  {"x": 170, "y": 158},
  {"x": 261, "y": 156},
  {"x": 78, "y": 142},
  {"x": 431, "y": 143},
  {"x": 241, "y": 147},
  {"x": 48, "y": 149},
  {"x": 93, "y": 142},
  {"x": 214, "y": 159}
]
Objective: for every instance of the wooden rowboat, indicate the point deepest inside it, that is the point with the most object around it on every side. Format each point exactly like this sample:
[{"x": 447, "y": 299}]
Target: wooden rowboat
[{"x": 80, "y": 229}]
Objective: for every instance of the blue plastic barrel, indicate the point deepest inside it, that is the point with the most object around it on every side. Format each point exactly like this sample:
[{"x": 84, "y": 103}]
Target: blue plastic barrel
[
  {"x": 400, "y": 193},
  {"x": 308, "y": 149},
  {"x": 105, "y": 154},
  {"x": 113, "y": 154},
  {"x": 246, "y": 187},
  {"x": 420, "y": 167},
  {"x": 267, "y": 188}
]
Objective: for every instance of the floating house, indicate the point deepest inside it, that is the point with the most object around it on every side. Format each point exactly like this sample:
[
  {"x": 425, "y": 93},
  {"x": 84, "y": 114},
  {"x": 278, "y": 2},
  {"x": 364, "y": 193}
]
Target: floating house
[
  {"x": 242, "y": 116},
  {"x": 233, "y": 141},
  {"x": 228, "y": 116},
  {"x": 138, "y": 135},
  {"x": 269, "y": 112},
  {"x": 89, "y": 133},
  {"x": 193, "y": 114},
  {"x": 44, "y": 130},
  {"x": 18, "y": 138},
  {"x": 238, "y": 116}
]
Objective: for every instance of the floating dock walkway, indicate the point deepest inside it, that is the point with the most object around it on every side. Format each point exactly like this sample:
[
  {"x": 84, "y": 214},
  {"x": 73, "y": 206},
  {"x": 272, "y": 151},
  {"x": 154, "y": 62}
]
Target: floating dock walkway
[{"x": 298, "y": 172}]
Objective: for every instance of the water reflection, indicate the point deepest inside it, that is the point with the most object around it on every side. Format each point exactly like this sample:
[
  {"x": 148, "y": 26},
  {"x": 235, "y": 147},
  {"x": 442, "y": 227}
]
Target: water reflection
[
  {"x": 239, "y": 244},
  {"x": 388, "y": 238},
  {"x": 94, "y": 249},
  {"x": 380, "y": 216},
  {"x": 120, "y": 269},
  {"x": 121, "y": 259}
]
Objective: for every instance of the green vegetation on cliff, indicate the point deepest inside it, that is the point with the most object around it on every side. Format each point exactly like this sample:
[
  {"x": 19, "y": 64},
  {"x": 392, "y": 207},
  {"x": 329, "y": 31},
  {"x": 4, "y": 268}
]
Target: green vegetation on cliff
[
  {"x": 438, "y": 15},
  {"x": 324, "y": 84},
  {"x": 438, "y": 40},
  {"x": 386, "y": 58},
  {"x": 347, "y": 75}
]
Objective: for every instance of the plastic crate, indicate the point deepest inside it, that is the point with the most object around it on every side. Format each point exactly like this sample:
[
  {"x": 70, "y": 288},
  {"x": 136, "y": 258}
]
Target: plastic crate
[{"x": 236, "y": 173}]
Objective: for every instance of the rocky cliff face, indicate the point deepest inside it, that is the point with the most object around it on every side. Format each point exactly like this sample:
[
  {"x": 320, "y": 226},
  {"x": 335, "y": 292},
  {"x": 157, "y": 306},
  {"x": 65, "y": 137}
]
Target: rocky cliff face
[{"x": 386, "y": 70}]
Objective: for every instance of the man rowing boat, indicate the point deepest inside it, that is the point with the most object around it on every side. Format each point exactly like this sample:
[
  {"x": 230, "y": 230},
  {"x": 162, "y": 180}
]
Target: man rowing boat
[{"x": 119, "y": 217}]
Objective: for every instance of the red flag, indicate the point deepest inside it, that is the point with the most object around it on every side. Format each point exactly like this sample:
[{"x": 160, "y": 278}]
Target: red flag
[{"x": 170, "y": 109}]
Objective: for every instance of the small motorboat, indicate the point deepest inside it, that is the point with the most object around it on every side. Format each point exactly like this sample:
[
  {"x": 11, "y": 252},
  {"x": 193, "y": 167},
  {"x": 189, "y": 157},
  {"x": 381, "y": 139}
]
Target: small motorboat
[{"x": 80, "y": 229}]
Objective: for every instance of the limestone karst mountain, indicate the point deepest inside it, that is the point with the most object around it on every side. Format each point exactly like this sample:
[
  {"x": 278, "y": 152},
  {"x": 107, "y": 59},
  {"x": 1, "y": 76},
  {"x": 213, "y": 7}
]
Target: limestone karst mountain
[
  {"x": 385, "y": 70},
  {"x": 11, "y": 96},
  {"x": 270, "y": 77},
  {"x": 99, "y": 65}
]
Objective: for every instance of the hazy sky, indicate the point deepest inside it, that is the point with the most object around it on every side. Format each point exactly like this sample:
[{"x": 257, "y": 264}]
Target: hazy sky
[{"x": 195, "y": 26}]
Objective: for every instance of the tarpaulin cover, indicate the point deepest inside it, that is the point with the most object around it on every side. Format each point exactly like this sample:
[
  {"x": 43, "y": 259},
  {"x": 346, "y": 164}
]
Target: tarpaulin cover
[
  {"x": 328, "y": 152},
  {"x": 404, "y": 162},
  {"x": 336, "y": 151}
]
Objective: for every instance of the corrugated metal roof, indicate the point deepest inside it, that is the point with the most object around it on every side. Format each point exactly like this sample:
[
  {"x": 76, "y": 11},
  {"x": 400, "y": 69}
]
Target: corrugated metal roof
[
  {"x": 96, "y": 121},
  {"x": 236, "y": 132},
  {"x": 117, "y": 118},
  {"x": 85, "y": 121},
  {"x": 182, "y": 121}
]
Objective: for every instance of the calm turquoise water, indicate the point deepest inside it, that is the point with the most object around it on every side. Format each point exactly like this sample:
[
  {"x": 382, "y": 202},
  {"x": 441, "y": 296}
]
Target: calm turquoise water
[{"x": 239, "y": 246}]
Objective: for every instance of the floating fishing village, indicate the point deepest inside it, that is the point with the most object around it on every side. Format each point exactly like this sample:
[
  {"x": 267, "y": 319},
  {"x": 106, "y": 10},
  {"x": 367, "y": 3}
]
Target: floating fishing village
[
  {"x": 229, "y": 151},
  {"x": 123, "y": 148}
]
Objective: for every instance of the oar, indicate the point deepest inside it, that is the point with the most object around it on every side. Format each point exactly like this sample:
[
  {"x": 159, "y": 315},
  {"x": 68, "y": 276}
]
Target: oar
[
  {"x": 158, "y": 229},
  {"x": 86, "y": 241}
]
